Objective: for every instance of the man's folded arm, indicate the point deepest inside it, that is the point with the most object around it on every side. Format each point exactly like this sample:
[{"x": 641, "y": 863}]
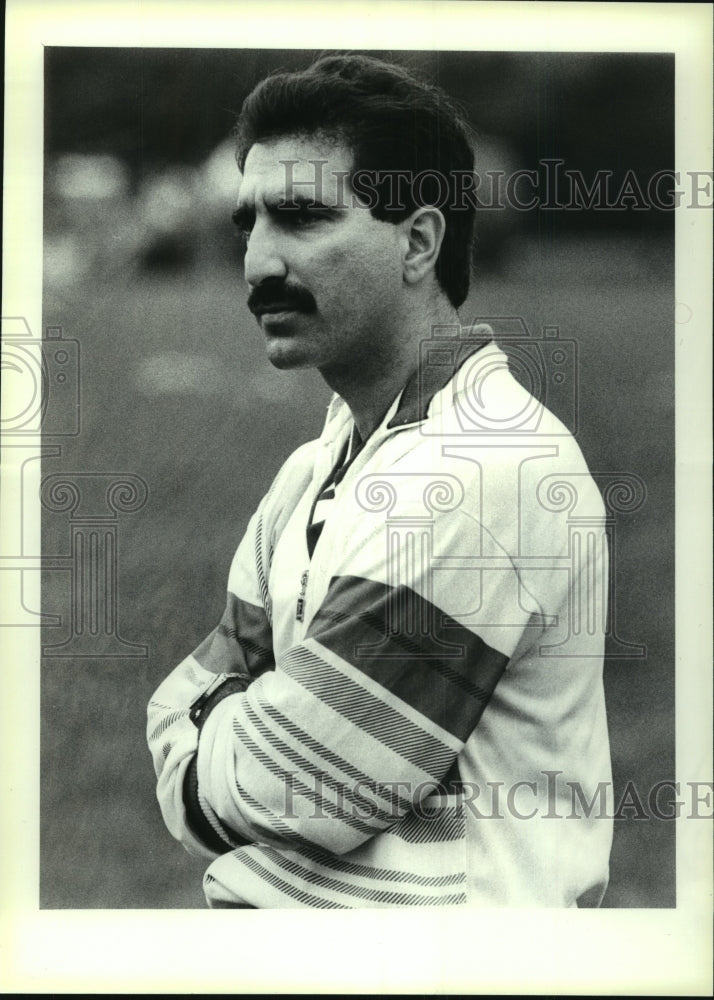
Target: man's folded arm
[
  {"x": 358, "y": 722},
  {"x": 237, "y": 651}
]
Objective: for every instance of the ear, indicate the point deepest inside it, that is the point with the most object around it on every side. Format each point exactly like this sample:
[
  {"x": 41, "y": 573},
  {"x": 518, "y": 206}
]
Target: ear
[{"x": 423, "y": 235}]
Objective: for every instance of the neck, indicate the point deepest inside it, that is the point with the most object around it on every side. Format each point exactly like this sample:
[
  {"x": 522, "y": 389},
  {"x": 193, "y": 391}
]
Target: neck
[{"x": 369, "y": 385}]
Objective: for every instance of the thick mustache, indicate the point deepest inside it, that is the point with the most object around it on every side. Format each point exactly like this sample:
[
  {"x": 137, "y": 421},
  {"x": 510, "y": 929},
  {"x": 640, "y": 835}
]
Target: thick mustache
[{"x": 274, "y": 294}]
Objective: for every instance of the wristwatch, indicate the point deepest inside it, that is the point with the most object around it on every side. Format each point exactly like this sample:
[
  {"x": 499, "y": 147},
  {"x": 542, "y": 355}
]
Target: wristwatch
[{"x": 220, "y": 687}]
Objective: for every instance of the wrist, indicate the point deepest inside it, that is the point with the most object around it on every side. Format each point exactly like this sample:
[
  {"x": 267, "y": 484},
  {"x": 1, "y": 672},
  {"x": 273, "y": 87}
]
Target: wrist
[{"x": 220, "y": 687}]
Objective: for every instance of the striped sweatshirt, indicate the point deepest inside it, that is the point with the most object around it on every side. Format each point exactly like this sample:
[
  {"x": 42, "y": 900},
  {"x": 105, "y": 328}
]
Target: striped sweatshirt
[{"x": 402, "y": 704}]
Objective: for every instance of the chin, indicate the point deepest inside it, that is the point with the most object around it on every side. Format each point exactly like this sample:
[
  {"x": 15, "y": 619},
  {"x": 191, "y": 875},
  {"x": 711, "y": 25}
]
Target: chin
[{"x": 287, "y": 357}]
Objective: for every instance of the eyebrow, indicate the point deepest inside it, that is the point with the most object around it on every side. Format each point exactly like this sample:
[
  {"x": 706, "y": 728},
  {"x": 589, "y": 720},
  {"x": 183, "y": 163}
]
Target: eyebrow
[{"x": 244, "y": 216}]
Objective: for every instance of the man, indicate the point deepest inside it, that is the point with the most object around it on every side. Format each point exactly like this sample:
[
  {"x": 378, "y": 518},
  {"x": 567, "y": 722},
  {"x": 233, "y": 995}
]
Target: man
[{"x": 402, "y": 704}]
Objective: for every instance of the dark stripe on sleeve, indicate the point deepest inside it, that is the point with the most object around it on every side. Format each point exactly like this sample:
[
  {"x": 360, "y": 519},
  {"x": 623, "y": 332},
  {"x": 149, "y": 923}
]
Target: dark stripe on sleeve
[
  {"x": 412, "y": 648},
  {"x": 302, "y": 875},
  {"x": 197, "y": 822},
  {"x": 241, "y": 644}
]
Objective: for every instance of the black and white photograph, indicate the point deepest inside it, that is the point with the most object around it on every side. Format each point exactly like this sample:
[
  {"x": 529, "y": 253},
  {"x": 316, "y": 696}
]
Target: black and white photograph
[{"x": 355, "y": 508}]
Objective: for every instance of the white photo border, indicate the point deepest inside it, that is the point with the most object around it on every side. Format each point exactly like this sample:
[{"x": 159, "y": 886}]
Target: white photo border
[{"x": 665, "y": 952}]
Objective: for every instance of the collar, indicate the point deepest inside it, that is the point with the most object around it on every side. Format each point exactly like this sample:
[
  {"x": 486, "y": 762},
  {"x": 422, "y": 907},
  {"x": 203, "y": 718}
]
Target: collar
[{"x": 440, "y": 357}]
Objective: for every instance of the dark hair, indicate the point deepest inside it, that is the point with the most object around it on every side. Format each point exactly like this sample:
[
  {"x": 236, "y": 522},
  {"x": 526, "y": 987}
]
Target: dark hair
[{"x": 392, "y": 122}]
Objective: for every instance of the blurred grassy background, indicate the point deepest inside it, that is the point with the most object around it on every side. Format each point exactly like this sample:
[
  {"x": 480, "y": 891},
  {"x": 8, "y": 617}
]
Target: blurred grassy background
[{"x": 175, "y": 388}]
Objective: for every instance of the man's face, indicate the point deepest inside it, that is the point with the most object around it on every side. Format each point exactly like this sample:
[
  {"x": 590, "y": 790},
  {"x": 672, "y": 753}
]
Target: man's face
[{"x": 325, "y": 281}]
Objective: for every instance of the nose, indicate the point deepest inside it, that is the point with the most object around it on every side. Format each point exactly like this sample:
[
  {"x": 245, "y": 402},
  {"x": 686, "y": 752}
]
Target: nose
[{"x": 263, "y": 258}]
